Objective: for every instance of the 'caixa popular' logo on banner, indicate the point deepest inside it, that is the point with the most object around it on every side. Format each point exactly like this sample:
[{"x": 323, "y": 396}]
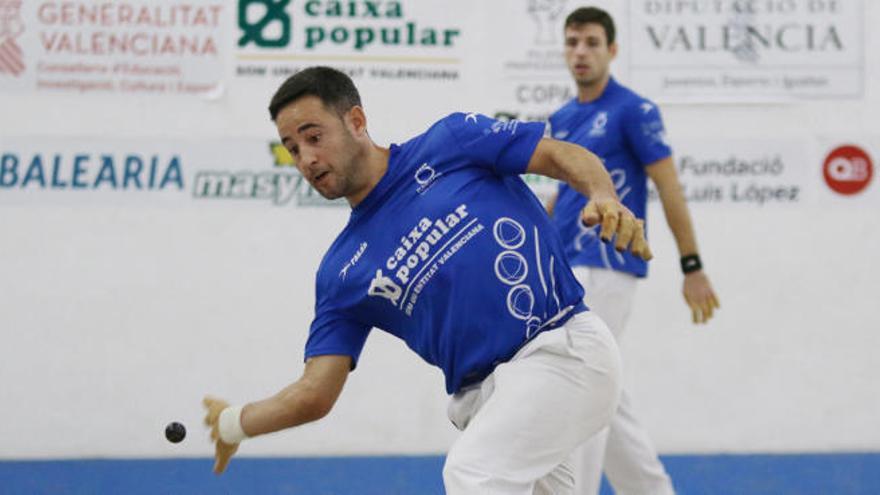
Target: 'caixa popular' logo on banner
[
  {"x": 353, "y": 24},
  {"x": 264, "y": 23}
]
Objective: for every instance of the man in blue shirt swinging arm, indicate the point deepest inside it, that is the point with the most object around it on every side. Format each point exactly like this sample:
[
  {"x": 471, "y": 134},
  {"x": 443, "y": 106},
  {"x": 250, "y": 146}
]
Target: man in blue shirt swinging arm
[{"x": 447, "y": 249}]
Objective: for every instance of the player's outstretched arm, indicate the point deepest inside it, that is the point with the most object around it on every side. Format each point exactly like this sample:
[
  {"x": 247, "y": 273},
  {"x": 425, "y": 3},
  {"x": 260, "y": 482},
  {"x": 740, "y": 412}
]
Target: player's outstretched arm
[
  {"x": 697, "y": 291},
  {"x": 308, "y": 399},
  {"x": 584, "y": 171}
]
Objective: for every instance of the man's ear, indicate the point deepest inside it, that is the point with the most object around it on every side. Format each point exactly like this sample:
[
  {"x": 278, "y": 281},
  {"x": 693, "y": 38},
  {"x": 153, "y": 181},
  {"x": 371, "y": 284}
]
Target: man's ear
[
  {"x": 356, "y": 119},
  {"x": 612, "y": 49}
]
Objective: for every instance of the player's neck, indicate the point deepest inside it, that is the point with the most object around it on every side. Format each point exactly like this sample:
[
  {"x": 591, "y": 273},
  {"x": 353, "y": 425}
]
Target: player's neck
[
  {"x": 591, "y": 92},
  {"x": 375, "y": 165}
]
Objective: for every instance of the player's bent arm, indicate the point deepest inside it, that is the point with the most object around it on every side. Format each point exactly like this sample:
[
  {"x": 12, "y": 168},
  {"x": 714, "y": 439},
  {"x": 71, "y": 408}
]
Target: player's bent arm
[
  {"x": 308, "y": 399},
  {"x": 584, "y": 172},
  {"x": 663, "y": 173},
  {"x": 574, "y": 164}
]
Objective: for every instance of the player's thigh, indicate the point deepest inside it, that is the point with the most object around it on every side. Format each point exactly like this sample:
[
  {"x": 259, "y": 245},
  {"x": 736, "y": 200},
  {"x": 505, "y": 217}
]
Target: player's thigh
[{"x": 525, "y": 425}]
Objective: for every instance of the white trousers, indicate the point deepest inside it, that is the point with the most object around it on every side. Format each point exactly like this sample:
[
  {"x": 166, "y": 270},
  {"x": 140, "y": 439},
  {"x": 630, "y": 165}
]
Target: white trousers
[
  {"x": 624, "y": 449},
  {"x": 522, "y": 423}
]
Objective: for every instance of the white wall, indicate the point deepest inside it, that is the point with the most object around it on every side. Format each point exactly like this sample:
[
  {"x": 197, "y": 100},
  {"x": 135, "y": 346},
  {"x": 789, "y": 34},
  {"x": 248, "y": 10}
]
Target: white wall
[{"x": 117, "y": 314}]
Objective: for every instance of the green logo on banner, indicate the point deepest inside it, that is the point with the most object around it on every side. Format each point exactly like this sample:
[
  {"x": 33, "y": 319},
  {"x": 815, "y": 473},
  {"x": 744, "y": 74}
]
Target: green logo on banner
[{"x": 273, "y": 15}]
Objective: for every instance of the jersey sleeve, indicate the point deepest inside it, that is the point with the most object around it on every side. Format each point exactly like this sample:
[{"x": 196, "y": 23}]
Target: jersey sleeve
[
  {"x": 504, "y": 147},
  {"x": 645, "y": 132},
  {"x": 334, "y": 333}
]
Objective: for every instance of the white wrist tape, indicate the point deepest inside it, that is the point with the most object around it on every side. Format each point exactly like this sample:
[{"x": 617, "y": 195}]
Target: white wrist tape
[{"x": 229, "y": 425}]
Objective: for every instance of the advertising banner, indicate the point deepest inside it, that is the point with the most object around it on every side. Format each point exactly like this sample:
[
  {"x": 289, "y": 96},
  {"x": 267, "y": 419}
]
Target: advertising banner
[
  {"x": 747, "y": 50},
  {"x": 733, "y": 172},
  {"x": 121, "y": 47},
  {"x": 385, "y": 41},
  {"x": 726, "y": 172},
  {"x": 769, "y": 173},
  {"x": 237, "y": 172}
]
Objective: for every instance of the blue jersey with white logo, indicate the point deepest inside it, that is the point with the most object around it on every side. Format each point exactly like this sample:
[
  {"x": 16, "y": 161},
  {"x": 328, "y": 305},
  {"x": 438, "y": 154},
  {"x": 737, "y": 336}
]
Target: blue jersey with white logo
[
  {"x": 626, "y": 132},
  {"x": 451, "y": 252}
]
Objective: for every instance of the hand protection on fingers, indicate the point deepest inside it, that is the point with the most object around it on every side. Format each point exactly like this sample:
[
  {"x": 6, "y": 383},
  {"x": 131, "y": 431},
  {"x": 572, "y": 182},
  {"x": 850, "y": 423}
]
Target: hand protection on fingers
[
  {"x": 590, "y": 215},
  {"x": 610, "y": 221},
  {"x": 616, "y": 219},
  {"x": 639, "y": 246},
  {"x": 626, "y": 231},
  {"x": 222, "y": 451}
]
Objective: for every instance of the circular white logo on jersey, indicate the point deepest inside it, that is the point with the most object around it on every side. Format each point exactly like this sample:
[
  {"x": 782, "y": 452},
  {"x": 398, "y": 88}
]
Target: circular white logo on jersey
[
  {"x": 509, "y": 233},
  {"x": 521, "y": 302},
  {"x": 425, "y": 174},
  {"x": 511, "y": 267}
]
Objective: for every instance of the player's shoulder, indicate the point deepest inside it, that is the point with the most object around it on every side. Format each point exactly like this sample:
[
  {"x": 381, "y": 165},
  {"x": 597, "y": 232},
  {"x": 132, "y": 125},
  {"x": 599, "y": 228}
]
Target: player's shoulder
[
  {"x": 459, "y": 128},
  {"x": 567, "y": 108},
  {"x": 632, "y": 102},
  {"x": 622, "y": 92},
  {"x": 463, "y": 121},
  {"x": 446, "y": 127},
  {"x": 560, "y": 121},
  {"x": 438, "y": 137}
]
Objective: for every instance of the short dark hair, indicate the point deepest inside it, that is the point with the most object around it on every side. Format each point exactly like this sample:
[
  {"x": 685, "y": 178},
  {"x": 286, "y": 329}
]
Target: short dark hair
[
  {"x": 587, "y": 15},
  {"x": 334, "y": 88}
]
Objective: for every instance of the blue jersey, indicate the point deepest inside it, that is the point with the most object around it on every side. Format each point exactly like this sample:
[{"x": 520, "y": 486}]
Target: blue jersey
[
  {"x": 626, "y": 132},
  {"x": 451, "y": 252}
]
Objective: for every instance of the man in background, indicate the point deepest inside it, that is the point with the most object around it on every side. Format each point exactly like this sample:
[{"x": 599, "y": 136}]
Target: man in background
[{"x": 627, "y": 132}]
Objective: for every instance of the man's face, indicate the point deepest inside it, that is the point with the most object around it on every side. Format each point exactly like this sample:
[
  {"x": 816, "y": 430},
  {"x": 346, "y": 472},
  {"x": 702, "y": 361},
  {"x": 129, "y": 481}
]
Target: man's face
[
  {"x": 323, "y": 146},
  {"x": 587, "y": 53}
]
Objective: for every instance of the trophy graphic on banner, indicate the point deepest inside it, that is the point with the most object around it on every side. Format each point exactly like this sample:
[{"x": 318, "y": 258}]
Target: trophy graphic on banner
[
  {"x": 740, "y": 24},
  {"x": 11, "y": 27},
  {"x": 545, "y": 13}
]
